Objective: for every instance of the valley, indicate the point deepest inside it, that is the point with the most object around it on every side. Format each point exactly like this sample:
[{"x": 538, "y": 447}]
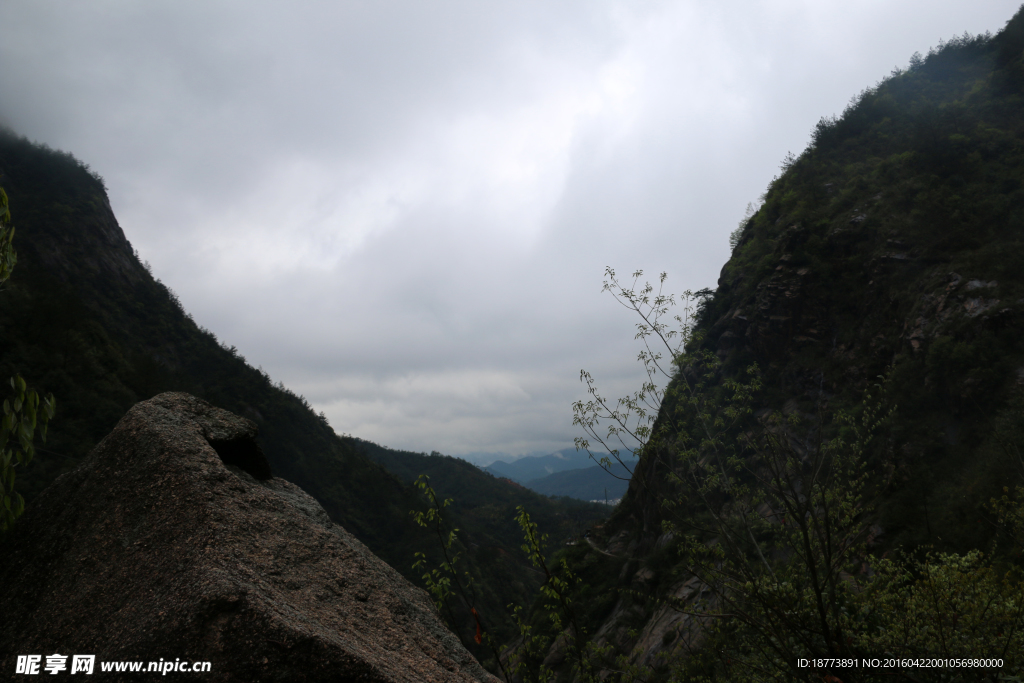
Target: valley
[{"x": 831, "y": 469}]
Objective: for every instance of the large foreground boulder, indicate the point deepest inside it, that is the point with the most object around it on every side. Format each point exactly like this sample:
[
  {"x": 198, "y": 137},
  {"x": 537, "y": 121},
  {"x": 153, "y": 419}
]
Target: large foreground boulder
[{"x": 173, "y": 542}]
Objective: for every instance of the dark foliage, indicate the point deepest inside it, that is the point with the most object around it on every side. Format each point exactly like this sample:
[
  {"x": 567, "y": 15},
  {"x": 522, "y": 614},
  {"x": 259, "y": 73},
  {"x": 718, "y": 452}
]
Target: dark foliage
[{"x": 484, "y": 509}]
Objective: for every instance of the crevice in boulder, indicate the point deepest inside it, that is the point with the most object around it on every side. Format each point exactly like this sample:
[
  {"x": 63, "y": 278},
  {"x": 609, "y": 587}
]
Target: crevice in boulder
[{"x": 245, "y": 454}]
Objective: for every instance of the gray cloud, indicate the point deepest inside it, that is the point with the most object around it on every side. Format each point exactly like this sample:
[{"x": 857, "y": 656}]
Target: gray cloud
[{"x": 403, "y": 210}]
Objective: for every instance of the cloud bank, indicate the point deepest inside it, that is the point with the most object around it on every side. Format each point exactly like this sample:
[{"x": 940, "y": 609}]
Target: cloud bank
[{"x": 404, "y": 210}]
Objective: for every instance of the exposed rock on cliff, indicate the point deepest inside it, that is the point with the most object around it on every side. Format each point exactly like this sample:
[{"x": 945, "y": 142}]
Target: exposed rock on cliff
[{"x": 173, "y": 540}]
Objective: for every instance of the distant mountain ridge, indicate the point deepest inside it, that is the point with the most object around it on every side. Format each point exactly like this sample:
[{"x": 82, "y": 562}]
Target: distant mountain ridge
[
  {"x": 589, "y": 483},
  {"x": 476, "y": 489},
  {"x": 533, "y": 468}
]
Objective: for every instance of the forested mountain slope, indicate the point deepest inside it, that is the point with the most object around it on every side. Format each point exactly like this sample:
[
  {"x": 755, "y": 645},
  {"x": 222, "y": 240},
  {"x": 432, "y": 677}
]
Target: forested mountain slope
[
  {"x": 895, "y": 244},
  {"x": 485, "y": 504},
  {"x": 83, "y": 318},
  {"x": 892, "y": 247}
]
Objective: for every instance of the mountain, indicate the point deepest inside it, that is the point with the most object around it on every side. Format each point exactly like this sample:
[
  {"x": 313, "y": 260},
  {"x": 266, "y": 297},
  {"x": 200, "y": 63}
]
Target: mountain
[
  {"x": 893, "y": 245},
  {"x": 529, "y": 468},
  {"x": 486, "y": 505},
  {"x": 568, "y": 473},
  {"x": 83, "y": 317},
  {"x": 882, "y": 278},
  {"x": 589, "y": 483},
  {"x": 485, "y": 458}
]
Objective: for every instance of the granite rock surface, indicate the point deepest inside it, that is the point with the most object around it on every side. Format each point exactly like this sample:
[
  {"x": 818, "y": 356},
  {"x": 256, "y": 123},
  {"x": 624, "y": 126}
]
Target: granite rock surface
[{"x": 174, "y": 541}]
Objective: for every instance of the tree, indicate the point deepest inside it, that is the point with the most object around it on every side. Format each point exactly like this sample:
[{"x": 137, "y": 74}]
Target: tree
[
  {"x": 736, "y": 235},
  {"x": 768, "y": 525},
  {"x": 8, "y": 257},
  {"x": 771, "y": 518},
  {"x": 23, "y": 412}
]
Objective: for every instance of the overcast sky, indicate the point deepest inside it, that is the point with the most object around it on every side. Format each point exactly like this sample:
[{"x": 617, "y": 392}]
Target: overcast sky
[{"x": 404, "y": 210}]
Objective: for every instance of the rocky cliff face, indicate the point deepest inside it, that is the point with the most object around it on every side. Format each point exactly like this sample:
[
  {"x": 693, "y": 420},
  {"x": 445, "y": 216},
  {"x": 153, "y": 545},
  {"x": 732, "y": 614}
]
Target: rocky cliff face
[
  {"x": 173, "y": 540},
  {"x": 893, "y": 246}
]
